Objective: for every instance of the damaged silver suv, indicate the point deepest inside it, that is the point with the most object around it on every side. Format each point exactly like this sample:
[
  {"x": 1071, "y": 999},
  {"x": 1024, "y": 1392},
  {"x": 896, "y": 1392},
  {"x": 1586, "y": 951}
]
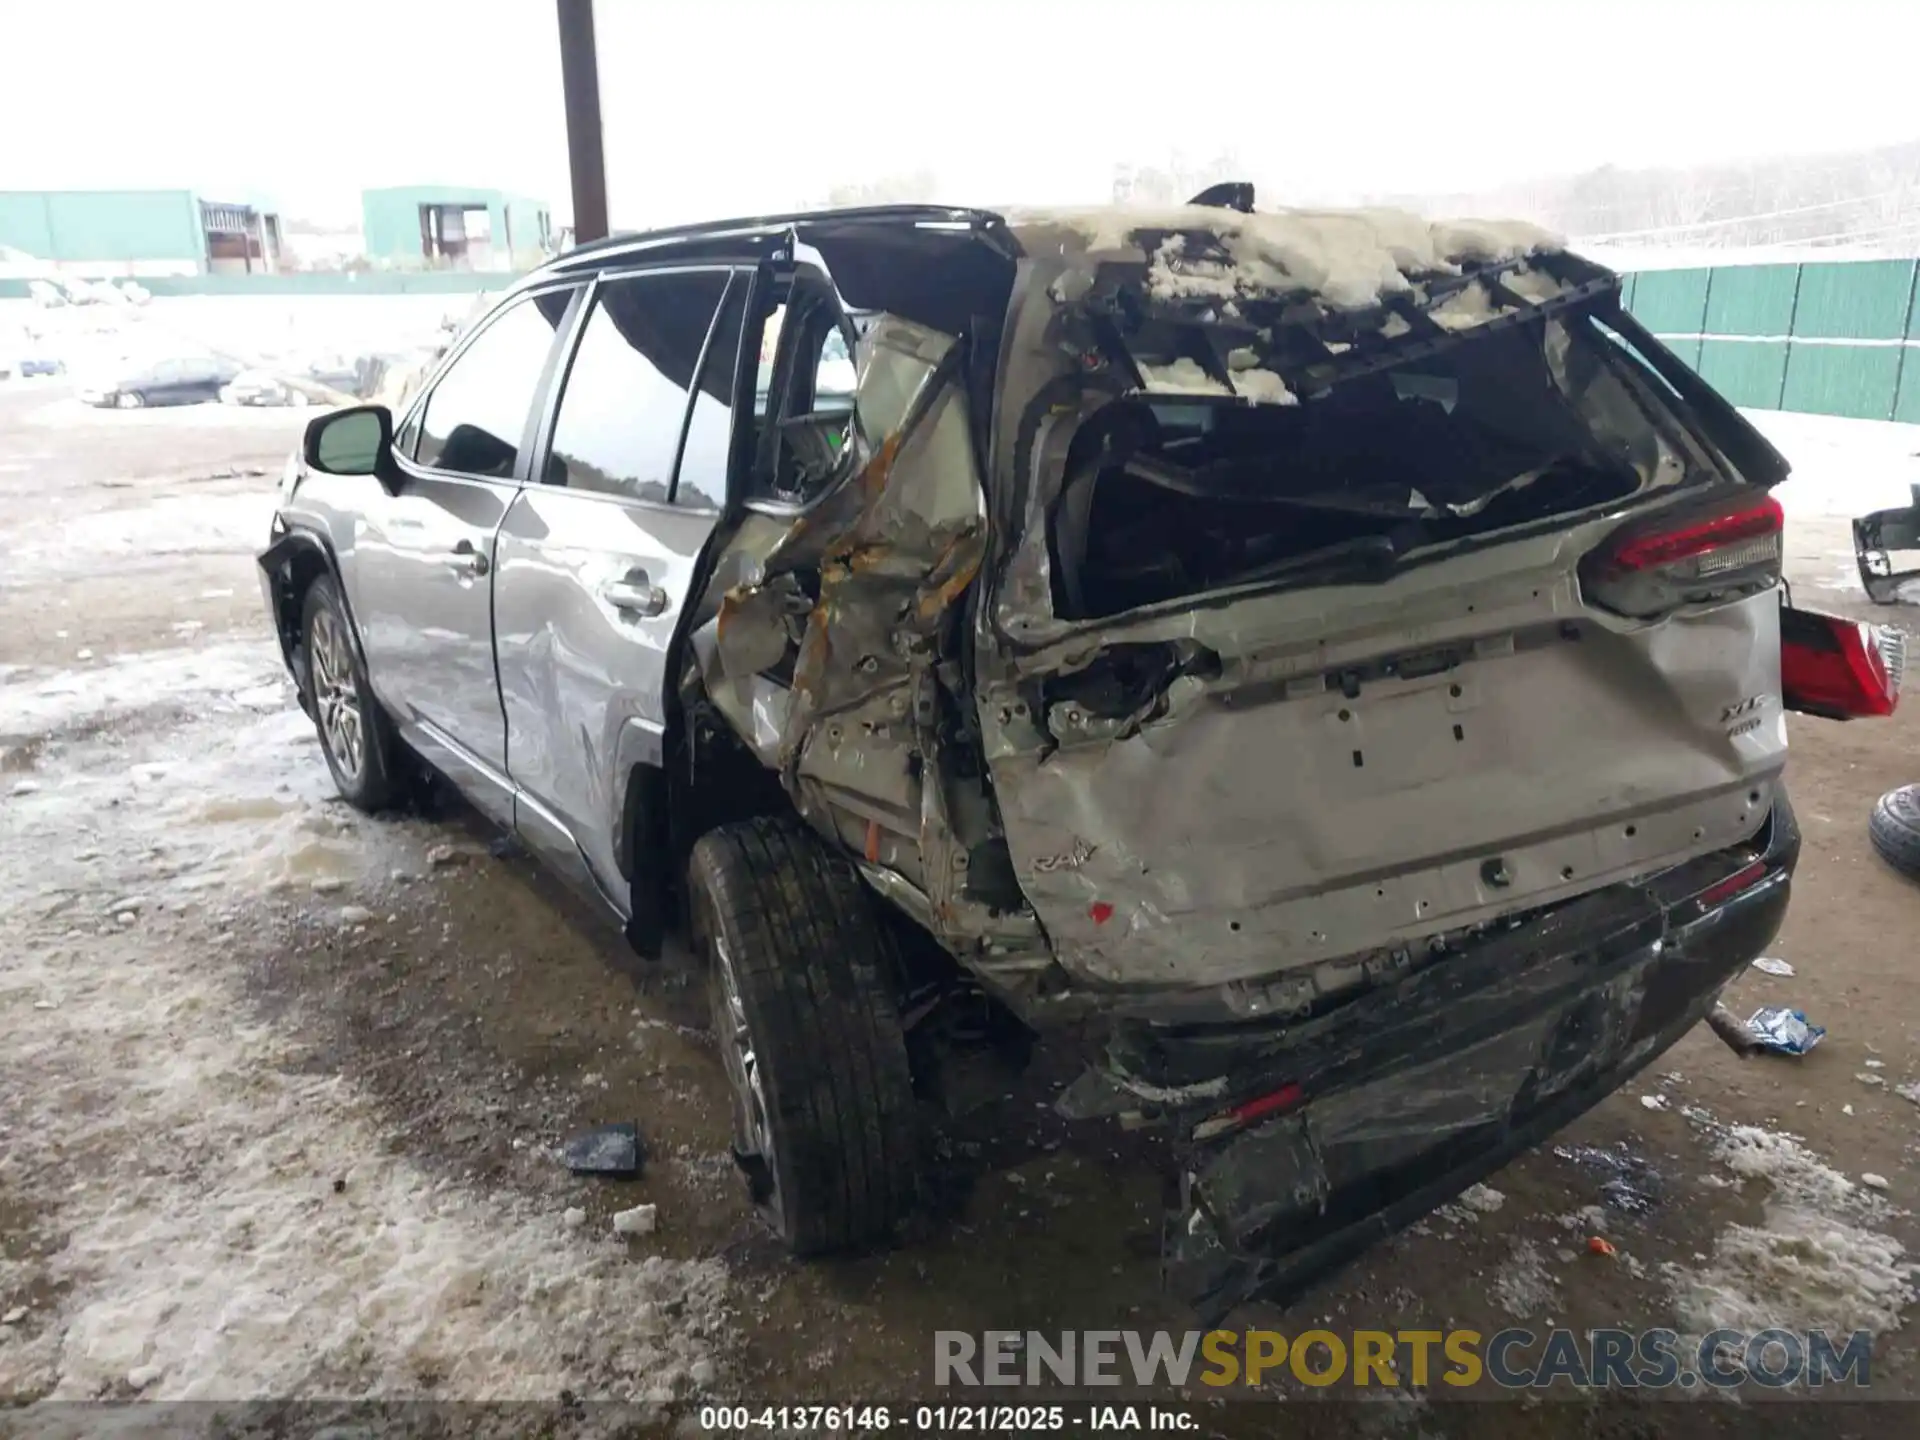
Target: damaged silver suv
[{"x": 1326, "y": 671}]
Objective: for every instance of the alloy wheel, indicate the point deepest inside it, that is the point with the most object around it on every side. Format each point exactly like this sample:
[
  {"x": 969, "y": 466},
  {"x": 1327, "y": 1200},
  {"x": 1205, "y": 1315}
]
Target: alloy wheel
[
  {"x": 752, "y": 1123},
  {"x": 336, "y": 695}
]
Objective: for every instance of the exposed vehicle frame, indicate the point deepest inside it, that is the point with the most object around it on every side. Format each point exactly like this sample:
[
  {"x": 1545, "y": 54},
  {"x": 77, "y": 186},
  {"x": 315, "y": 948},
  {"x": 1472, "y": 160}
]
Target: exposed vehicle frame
[{"x": 905, "y": 683}]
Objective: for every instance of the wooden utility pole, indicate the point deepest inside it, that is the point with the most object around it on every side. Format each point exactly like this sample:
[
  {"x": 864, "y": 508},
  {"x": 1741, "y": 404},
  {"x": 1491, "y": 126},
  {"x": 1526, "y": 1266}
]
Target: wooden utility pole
[{"x": 586, "y": 154}]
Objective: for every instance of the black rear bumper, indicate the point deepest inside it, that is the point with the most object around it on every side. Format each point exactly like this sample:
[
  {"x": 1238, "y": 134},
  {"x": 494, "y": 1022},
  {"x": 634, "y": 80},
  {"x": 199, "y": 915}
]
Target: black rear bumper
[{"x": 1416, "y": 1091}]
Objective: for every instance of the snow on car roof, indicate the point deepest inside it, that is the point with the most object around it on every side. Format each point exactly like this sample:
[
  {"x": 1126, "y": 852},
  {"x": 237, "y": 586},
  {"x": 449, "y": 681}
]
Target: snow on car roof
[{"x": 1350, "y": 258}]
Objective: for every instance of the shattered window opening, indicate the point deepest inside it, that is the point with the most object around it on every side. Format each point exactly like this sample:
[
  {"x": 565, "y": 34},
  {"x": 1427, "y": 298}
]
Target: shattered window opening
[
  {"x": 803, "y": 396},
  {"x": 1510, "y": 426}
]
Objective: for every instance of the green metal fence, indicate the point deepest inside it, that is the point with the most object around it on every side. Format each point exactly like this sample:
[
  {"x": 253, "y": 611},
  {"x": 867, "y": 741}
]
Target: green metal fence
[{"x": 1832, "y": 338}]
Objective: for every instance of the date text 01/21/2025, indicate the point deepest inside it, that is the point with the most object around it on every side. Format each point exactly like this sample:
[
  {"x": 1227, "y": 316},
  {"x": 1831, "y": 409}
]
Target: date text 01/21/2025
[{"x": 943, "y": 1419}]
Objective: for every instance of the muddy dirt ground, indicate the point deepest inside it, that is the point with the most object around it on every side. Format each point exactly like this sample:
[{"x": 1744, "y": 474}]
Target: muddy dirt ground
[{"x": 281, "y": 1087}]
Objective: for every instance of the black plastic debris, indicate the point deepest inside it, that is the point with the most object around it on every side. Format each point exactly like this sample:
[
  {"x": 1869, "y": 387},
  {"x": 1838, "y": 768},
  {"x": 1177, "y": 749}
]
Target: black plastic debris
[{"x": 612, "y": 1150}]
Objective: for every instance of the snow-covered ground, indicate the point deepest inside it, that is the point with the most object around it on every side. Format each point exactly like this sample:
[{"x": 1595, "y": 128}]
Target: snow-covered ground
[
  {"x": 234, "y": 1223},
  {"x": 93, "y": 340},
  {"x": 1842, "y": 467}
]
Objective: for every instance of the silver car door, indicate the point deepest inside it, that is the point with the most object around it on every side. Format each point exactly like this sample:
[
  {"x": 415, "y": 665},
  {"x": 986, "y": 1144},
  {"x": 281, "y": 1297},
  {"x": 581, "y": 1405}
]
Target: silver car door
[
  {"x": 598, "y": 560},
  {"x": 423, "y": 557}
]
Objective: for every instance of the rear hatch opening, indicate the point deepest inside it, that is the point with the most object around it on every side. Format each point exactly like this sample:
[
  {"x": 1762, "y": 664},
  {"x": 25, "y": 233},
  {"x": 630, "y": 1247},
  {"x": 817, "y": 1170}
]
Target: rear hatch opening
[
  {"x": 1285, "y": 438},
  {"x": 1174, "y": 495}
]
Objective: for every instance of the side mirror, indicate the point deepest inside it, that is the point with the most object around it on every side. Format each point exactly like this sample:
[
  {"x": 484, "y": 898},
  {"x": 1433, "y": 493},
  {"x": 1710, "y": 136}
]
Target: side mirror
[{"x": 356, "y": 441}]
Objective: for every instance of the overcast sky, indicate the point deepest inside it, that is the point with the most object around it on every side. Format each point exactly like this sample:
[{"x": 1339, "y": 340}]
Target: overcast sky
[{"x": 730, "y": 106}]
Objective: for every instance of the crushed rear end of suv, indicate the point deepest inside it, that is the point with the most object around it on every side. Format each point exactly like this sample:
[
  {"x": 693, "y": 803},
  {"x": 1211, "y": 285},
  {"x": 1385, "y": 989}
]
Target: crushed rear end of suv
[{"x": 1331, "y": 669}]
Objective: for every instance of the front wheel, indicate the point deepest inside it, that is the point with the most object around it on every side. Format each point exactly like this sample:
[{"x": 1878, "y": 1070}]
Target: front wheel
[
  {"x": 129, "y": 400},
  {"x": 355, "y": 735},
  {"x": 798, "y": 970}
]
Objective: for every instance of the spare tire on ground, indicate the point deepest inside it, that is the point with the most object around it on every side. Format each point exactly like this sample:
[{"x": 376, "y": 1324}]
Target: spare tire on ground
[{"x": 1895, "y": 829}]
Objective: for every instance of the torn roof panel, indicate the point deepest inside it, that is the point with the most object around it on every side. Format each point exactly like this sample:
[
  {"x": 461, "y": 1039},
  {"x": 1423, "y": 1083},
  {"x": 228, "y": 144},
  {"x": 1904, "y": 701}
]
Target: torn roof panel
[
  {"x": 1228, "y": 298},
  {"x": 1351, "y": 259}
]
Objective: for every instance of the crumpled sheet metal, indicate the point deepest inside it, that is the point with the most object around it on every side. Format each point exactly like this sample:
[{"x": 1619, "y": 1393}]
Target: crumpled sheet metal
[{"x": 895, "y": 545}]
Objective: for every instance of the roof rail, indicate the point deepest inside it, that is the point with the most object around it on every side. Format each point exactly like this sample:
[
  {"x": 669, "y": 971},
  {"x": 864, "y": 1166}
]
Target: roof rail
[{"x": 878, "y": 215}]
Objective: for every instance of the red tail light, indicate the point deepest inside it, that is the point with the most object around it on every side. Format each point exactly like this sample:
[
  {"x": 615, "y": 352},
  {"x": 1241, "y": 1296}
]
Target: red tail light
[
  {"x": 1687, "y": 555},
  {"x": 1249, "y": 1113},
  {"x": 1839, "y": 669}
]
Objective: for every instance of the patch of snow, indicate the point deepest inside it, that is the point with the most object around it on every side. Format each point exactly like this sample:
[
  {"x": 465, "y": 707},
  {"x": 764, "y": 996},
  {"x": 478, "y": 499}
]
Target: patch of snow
[
  {"x": 1263, "y": 387},
  {"x": 1592, "y": 1219},
  {"x": 203, "y": 524},
  {"x": 640, "y": 1220},
  {"x": 1465, "y": 308},
  {"x": 1350, "y": 258},
  {"x": 1653, "y": 1102},
  {"x": 1531, "y": 284},
  {"x": 1814, "y": 1261},
  {"x": 1523, "y": 1286},
  {"x": 1794, "y": 1172},
  {"x": 127, "y": 683},
  {"x": 1842, "y": 467},
  {"x": 1182, "y": 377},
  {"x": 1474, "y": 1201}
]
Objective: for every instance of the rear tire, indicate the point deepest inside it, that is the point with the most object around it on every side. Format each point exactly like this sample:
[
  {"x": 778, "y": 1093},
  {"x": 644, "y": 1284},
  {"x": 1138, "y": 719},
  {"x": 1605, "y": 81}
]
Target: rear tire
[
  {"x": 1894, "y": 828},
  {"x": 358, "y": 739},
  {"x": 799, "y": 964}
]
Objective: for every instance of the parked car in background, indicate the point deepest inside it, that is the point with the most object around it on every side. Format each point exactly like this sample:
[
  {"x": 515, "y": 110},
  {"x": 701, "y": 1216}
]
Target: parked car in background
[
  {"x": 1325, "y": 672},
  {"x": 274, "y": 387},
  {"x": 41, "y": 365},
  {"x": 186, "y": 380}
]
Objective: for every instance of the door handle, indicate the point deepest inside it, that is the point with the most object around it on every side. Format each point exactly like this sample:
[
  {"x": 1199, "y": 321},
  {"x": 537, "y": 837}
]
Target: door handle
[
  {"x": 635, "y": 596},
  {"x": 465, "y": 560}
]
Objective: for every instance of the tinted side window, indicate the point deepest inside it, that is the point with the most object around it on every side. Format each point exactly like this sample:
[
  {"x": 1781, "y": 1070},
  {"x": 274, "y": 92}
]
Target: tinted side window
[
  {"x": 702, "y": 484},
  {"x": 625, "y": 402},
  {"x": 475, "y": 417}
]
